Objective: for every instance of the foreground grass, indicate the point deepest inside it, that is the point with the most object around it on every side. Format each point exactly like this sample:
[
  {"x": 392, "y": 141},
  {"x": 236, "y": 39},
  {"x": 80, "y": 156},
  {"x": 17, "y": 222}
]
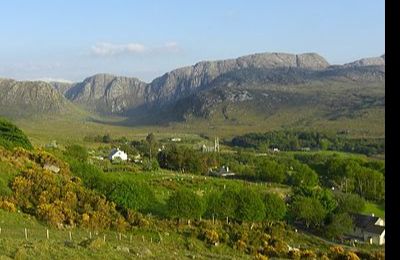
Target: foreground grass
[{"x": 141, "y": 242}]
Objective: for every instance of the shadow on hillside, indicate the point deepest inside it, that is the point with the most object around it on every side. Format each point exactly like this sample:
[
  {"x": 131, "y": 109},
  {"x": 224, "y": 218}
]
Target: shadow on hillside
[{"x": 143, "y": 117}]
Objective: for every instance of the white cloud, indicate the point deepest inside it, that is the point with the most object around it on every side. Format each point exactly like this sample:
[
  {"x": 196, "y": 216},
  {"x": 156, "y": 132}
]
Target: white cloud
[
  {"x": 47, "y": 79},
  {"x": 111, "y": 49}
]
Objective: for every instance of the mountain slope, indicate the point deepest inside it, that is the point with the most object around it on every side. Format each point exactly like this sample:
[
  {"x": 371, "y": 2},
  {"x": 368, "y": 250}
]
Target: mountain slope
[
  {"x": 184, "y": 81},
  {"x": 108, "y": 94},
  {"x": 30, "y": 98}
]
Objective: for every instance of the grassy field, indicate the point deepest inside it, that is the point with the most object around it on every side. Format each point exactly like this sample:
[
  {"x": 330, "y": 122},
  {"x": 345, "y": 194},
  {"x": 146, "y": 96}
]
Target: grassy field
[
  {"x": 164, "y": 182},
  {"x": 143, "y": 243},
  {"x": 72, "y": 128},
  {"x": 375, "y": 208}
]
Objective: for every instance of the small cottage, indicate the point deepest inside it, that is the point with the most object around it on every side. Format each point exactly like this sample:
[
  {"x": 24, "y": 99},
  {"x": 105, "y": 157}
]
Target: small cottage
[
  {"x": 117, "y": 154},
  {"x": 369, "y": 228}
]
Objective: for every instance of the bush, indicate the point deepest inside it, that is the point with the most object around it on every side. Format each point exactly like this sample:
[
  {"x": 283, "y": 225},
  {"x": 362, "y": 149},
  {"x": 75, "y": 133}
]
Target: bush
[
  {"x": 309, "y": 210},
  {"x": 268, "y": 170},
  {"x": 150, "y": 165},
  {"x": 249, "y": 206},
  {"x": 211, "y": 237},
  {"x": 275, "y": 207},
  {"x": 184, "y": 203},
  {"x": 59, "y": 198},
  {"x": 349, "y": 203},
  {"x": 238, "y": 204},
  {"x": 340, "y": 224},
  {"x": 132, "y": 195},
  {"x": 76, "y": 152},
  {"x": 11, "y": 136},
  {"x": 7, "y": 205}
]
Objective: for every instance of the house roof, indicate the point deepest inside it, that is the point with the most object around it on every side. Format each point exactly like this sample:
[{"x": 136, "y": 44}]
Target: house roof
[
  {"x": 114, "y": 151},
  {"x": 375, "y": 229},
  {"x": 367, "y": 223}
]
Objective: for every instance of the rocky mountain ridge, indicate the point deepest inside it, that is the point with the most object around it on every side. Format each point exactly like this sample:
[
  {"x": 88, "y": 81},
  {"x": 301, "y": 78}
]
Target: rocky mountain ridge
[{"x": 116, "y": 95}]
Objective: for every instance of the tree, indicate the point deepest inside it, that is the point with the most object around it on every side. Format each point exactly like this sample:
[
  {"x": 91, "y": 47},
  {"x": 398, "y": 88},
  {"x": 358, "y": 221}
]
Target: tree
[
  {"x": 184, "y": 203},
  {"x": 131, "y": 195},
  {"x": 107, "y": 138},
  {"x": 324, "y": 144},
  {"x": 150, "y": 165},
  {"x": 369, "y": 184},
  {"x": 249, "y": 206},
  {"x": 340, "y": 224},
  {"x": 275, "y": 207},
  {"x": 302, "y": 175},
  {"x": 309, "y": 210},
  {"x": 349, "y": 203},
  {"x": 227, "y": 203},
  {"x": 268, "y": 170},
  {"x": 213, "y": 209},
  {"x": 151, "y": 141}
]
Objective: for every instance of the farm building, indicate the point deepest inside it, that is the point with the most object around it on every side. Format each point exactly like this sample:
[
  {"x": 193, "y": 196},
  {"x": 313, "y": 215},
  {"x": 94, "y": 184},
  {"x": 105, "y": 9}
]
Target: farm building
[{"x": 117, "y": 154}]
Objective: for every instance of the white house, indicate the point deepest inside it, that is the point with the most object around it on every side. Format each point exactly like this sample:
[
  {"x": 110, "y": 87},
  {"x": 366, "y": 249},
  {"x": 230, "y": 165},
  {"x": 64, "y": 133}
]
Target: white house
[
  {"x": 369, "y": 228},
  {"x": 117, "y": 154}
]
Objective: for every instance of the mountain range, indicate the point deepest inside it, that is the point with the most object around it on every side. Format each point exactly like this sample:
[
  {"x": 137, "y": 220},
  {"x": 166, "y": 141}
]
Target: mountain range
[{"x": 260, "y": 84}]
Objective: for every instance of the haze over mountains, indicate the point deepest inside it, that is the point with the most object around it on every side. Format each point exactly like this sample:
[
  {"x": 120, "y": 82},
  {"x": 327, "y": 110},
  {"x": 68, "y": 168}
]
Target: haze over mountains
[{"x": 261, "y": 83}]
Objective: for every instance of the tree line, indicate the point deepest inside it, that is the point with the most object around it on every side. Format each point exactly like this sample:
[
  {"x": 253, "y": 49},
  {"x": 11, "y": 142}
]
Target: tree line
[{"x": 296, "y": 140}]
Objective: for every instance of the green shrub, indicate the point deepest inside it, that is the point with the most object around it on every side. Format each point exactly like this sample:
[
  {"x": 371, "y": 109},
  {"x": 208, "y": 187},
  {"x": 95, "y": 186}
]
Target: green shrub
[
  {"x": 11, "y": 136},
  {"x": 184, "y": 203},
  {"x": 275, "y": 207}
]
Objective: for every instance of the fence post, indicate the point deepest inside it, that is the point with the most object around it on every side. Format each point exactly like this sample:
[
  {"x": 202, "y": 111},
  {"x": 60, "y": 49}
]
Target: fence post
[
  {"x": 70, "y": 236},
  {"x": 90, "y": 234},
  {"x": 47, "y": 233},
  {"x": 104, "y": 238},
  {"x": 26, "y": 234}
]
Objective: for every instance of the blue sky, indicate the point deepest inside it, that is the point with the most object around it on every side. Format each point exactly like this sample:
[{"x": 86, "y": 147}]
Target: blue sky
[{"x": 73, "y": 39}]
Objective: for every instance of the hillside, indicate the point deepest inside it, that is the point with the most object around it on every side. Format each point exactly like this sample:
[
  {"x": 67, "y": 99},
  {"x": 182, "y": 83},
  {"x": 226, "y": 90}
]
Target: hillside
[
  {"x": 31, "y": 99},
  {"x": 108, "y": 94},
  {"x": 60, "y": 202}
]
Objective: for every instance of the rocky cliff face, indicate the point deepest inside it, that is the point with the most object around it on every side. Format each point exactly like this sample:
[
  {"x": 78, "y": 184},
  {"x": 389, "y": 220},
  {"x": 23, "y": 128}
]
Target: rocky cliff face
[
  {"x": 62, "y": 87},
  {"x": 184, "y": 81},
  {"x": 107, "y": 94},
  {"x": 30, "y": 98},
  {"x": 372, "y": 61}
]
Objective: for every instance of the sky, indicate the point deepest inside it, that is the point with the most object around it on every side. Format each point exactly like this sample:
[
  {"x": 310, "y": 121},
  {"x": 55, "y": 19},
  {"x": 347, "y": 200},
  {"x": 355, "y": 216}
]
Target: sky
[{"x": 74, "y": 39}]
